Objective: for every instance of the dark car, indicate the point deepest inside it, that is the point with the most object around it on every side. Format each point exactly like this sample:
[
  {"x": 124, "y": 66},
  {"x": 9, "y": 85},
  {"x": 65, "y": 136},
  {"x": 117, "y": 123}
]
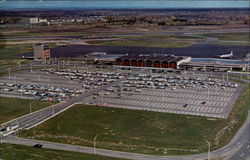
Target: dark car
[
  {"x": 38, "y": 146},
  {"x": 203, "y": 102}
]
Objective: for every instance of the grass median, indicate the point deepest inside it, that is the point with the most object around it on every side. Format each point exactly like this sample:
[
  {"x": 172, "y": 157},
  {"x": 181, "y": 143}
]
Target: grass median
[
  {"x": 15, "y": 152},
  {"x": 142, "y": 131}
]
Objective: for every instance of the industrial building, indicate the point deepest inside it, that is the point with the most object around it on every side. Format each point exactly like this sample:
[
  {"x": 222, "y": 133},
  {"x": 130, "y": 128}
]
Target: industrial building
[
  {"x": 156, "y": 61},
  {"x": 41, "y": 51}
]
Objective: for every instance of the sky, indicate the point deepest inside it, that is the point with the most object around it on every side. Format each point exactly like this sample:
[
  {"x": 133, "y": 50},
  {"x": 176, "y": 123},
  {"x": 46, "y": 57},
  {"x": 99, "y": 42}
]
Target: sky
[{"x": 119, "y": 4}]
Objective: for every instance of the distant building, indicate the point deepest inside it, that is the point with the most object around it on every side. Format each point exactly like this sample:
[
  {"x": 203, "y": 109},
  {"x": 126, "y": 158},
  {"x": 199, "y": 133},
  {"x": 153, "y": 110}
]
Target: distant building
[
  {"x": 34, "y": 20},
  {"x": 41, "y": 51}
]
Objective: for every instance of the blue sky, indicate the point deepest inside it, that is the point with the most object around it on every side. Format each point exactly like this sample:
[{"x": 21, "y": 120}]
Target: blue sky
[{"x": 118, "y": 4}]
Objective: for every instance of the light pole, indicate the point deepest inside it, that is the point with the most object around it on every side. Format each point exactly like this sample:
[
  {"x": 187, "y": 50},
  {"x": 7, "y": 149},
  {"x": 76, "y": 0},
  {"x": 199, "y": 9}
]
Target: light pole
[
  {"x": 30, "y": 108},
  {"x": 9, "y": 72},
  {"x": 1, "y": 138},
  {"x": 53, "y": 110},
  {"x": 208, "y": 154},
  {"x": 95, "y": 144},
  {"x": 208, "y": 94},
  {"x": 19, "y": 65},
  {"x": 31, "y": 70},
  {"x": 102, "y": 99},
  {"x": 14, "y": 79}
]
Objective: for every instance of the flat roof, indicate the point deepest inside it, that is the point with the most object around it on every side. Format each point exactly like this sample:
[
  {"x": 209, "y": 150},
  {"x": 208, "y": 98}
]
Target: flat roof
[{"x": 212, "y": 64}]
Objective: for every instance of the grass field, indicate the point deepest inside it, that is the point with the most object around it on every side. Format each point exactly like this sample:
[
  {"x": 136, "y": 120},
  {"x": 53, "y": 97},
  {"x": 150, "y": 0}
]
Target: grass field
[
  {"x": 234, "y": 43},
  {"x": 13, "y": 49},
  {"x": 45, "y": 33},
  {"x": 142, "y": 131},
  {"x": 230, "y": 36},
  {"x": 18, "y": 152},
  {"x": 10, "y": 50},
  {"x": 162, "y": 41},
  {"x": 11, "y": 108}
]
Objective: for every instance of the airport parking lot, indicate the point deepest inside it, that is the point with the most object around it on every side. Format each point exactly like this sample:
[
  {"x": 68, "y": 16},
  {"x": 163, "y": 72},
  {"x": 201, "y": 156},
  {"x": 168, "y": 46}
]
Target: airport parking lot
[
  {"x": 180, "y": 95},
  {"x": 54, "y": 85},
  {"x": 168, "y": 92}
]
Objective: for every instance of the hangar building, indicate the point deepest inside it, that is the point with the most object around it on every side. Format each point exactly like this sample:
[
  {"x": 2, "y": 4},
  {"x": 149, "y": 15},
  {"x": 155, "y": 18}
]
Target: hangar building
[{"x": 156, "y": 61}]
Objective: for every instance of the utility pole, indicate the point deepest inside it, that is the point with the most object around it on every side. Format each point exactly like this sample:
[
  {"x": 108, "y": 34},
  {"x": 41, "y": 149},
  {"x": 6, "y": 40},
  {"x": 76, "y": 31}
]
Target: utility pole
[{"x": 95, "y": 144}]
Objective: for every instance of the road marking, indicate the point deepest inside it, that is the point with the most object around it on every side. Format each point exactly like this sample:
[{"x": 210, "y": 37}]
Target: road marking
[
  {"x": 248, "y": 147},
  {"x": 238, "y": 143},
  {"x": 242, "y": 154}
]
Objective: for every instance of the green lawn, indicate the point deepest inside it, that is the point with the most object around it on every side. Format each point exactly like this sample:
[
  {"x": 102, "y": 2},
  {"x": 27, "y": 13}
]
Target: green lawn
[
  {"x": 18, "y": 152},
  {"x": 230, "y": 36},
  {"x": 234, "y": 43},
  {"x": 10, "y": 50},
  {"x": 13, "y": 49},
  {"x": 141, "y": 131},
  {"x": 163, "y": 41},
  {"x": 11, "y": 108}
]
